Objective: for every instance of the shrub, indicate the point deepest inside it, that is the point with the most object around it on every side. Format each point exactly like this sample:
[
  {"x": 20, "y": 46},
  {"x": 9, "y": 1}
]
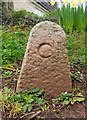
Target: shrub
[
  {"x": 18, "y": 17},
  {"x": 22, "y": 17}
]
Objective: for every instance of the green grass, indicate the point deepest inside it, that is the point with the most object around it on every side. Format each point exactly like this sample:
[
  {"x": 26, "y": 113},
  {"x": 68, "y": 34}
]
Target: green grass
[
  {"x": 14, "y": 41},
  {"x": 70, "y": 18},
  {"x": 76, "y": 47}
]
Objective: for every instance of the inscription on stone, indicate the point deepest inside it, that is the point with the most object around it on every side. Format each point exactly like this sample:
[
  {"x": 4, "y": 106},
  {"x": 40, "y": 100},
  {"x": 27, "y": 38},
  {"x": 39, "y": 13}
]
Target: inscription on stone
[{"x": 45, "y": 63}]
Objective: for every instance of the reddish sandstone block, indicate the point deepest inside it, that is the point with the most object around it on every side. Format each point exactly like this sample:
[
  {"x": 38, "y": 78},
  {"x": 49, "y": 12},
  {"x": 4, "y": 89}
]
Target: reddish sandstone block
[{"x": 45, "y": 63}]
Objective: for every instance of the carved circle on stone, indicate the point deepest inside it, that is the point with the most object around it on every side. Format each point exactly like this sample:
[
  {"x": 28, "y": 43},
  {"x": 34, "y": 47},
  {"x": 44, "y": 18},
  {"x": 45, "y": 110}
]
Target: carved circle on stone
[{"x": 45, "y": 50}]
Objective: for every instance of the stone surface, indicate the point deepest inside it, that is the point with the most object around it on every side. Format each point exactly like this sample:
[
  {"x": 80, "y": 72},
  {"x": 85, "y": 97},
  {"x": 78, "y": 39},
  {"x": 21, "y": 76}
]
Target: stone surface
[{"x": 45, "y": 63}]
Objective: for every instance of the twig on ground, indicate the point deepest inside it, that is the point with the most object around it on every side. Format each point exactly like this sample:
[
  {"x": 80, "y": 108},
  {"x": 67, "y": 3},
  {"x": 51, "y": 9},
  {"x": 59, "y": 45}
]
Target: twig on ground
[
  {"x": 26, "y": 115},
  {"x": 32, "y": 116}
]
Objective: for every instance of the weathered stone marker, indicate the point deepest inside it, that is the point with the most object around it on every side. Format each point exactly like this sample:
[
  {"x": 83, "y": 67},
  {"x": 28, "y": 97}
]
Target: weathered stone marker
[{"x": 45, "y": 64}]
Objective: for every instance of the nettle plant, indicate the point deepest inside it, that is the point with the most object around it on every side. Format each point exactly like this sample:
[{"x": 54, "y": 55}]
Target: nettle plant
[{"x": 71, "y": 14}]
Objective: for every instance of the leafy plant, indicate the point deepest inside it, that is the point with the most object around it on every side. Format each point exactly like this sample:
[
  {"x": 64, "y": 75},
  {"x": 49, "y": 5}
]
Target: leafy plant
[
  {"x": 7, "y": 103},
  {"x": 69, "y": 98},
  {"x": 18, "y": 17},
  {"x": 22, "y": 18},
  {"x": 15, "y": 103},
  {"x": 73, "y": 77},
  {"x": 30, "y": 98},
  {"x": 14, "y": 109},
  {"x": 45, "y": 107},
  {"x": 78, "y": 98}
]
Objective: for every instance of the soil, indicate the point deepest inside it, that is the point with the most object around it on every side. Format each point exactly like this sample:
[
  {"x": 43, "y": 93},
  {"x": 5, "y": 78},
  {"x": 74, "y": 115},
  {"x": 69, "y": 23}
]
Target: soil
[{"x": 55, "y": 111}]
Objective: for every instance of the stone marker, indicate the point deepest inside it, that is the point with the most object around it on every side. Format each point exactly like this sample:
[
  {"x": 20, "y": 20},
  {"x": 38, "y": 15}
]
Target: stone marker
[{"x": 45, "y": 63}]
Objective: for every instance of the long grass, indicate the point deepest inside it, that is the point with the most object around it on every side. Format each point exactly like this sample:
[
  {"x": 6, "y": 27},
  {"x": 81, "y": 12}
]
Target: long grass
[{"x": 70, "y": 18}]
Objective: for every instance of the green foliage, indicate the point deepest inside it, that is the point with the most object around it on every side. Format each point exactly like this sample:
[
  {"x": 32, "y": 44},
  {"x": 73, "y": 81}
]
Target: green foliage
[
  {"x": 79, "y": 19},
  {"x": 78, "y": 98},
  {"x": 69, "y": 98},
  {"x": 14, "y": 42},
  {"x": 6, "y": 73},
  {"x": 32, "y": 19},
  {"x": 70, "y": 18},
  {"x": 23, "y": 18},
  {"x": 73, "y": 77},
  {"x": 76, "y": 47},
  {"x": 18, "y": 17},
  {"x": 28, "y": 99},
  {"x": 44, "y": 107},
  {"x": 24, "y": 101},
  {"x": 8, "y": 104},
  {"x": 77, "y": 76},
  {"x": 64, "y": 98}
]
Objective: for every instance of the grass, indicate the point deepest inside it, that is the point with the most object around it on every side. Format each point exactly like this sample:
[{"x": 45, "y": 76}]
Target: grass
[
  {"x": 76, "y": 47},
  {"x": 14, "y": 41},
  {"x": 70, "y": 18}
]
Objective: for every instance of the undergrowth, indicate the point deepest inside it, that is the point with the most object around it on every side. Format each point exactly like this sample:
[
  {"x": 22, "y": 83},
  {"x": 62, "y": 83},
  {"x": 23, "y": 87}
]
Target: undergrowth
[
  {"x": 24, "y": 101},
  {"x": 69, "y": 98},
  {"x": 14, "y": 41},
  {"x": 14, "y": 104}
]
